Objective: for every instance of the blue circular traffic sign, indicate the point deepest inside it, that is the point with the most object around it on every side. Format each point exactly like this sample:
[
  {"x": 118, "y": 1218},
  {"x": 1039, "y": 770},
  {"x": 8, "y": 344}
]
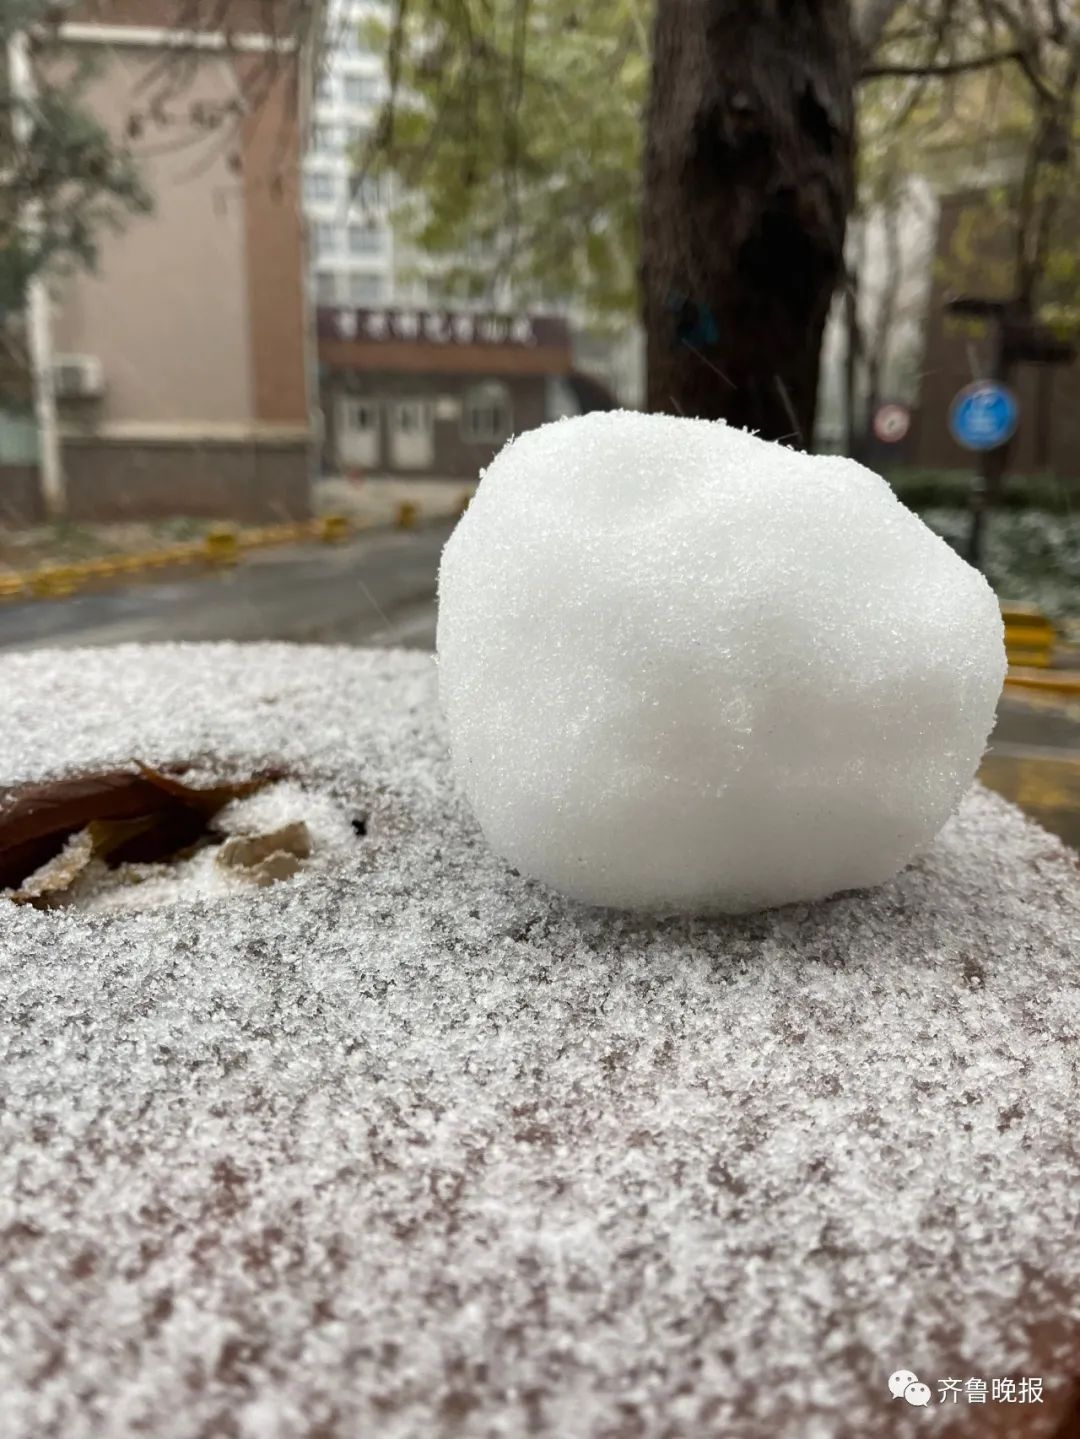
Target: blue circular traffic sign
[{"x": 984, "y": 415}]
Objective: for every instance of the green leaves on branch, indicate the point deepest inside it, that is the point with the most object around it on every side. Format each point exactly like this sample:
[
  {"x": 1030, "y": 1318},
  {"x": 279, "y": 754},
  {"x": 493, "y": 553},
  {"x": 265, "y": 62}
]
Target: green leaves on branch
[
  {"x": 515, "y": 130},
  {"x": 65, "y": 178}
]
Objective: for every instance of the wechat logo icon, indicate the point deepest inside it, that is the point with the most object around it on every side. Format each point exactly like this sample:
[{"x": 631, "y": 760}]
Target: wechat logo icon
[{"x": 905, "y": 1385}]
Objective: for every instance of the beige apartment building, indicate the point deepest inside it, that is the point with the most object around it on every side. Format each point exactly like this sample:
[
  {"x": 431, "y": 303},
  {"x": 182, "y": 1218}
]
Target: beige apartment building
[{"x": 182, "y": 365}]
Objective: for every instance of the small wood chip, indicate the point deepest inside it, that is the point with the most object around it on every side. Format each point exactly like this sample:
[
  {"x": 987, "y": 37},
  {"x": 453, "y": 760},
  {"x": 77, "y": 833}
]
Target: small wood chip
[
  {"x": 247, "y": 851},
  {"x": 54, "y": 879}
]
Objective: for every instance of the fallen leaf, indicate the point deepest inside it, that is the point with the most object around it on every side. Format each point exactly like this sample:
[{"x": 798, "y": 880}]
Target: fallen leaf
[
  {"x": 207, "y": 801},
  {"x": 142, "y": 816}
]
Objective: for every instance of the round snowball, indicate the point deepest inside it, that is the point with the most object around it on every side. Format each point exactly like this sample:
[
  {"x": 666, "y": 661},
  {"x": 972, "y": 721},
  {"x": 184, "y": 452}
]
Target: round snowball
[{"x": 686, "y": 669}]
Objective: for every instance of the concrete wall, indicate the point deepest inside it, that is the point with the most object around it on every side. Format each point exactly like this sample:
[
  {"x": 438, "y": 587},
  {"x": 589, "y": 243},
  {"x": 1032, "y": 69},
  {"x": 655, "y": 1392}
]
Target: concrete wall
[
  {"x": 1048, "y": 437},
  {"x": 21, "y": 502},
  {"x": 257, "y": 482},
  {"x": 278, "y": 323},
  {"x": 167, "y": 312},
  {"x": 196, "y": 312}
]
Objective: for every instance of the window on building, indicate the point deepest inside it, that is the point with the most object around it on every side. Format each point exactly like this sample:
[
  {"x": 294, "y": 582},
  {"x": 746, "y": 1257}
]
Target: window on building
[
  {"x": 365, "y": 240},
  {"x": 413, "y": 417},
  {"x": 439, "y": 292},
  {"x": 326, "y": 289},
  {"x": 325, "y": 89},
  {"x": 319, "y": 188},
  {"x": 324, "y": 238},
  {"x": 362, "y": 89},
  {"x": 368, "y": 192},
  {"x": 486, "y": 417},
  {"x": 355, "y": 35},
  {"x": 326, "y": 139},
  {"x": 366, "y": 288},
  {"x": 358, "y": 136},
  {"x": 361, "y": 416}
]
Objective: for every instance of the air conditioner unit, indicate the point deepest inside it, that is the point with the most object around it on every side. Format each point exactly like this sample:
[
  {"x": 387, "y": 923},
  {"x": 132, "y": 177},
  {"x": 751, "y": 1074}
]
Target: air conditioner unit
[{"x": 78, "y": 377}]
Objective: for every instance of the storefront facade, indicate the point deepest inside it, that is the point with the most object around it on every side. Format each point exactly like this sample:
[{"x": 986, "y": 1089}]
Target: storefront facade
[{"x": 434, "y": 393}]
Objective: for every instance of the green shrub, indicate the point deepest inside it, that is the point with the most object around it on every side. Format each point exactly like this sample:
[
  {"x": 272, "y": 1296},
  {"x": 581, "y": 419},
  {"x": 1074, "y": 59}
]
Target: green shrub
[
  {"x": 1031, "y": 555},
  {"x": 946, "y": 489}
]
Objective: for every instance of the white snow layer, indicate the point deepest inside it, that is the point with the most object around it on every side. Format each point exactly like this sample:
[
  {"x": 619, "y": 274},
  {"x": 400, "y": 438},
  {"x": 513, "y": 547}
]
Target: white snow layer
[
  {"x": 685, "y": 669},
  {"x": 416, "y": 1148}
]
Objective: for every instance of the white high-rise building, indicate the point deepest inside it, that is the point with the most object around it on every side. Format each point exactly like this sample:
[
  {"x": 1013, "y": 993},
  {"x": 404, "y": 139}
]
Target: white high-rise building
[{"x": 351, "y": 242}]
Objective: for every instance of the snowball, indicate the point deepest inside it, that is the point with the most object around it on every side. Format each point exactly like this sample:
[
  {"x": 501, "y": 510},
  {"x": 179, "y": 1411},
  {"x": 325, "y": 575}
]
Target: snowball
[{"x": 686, "y": 669}]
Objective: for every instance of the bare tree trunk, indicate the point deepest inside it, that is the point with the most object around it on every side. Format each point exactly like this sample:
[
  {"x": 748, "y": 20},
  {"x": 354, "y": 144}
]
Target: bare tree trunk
[
  {"x": 853, "y": 350},
  {"x": 854, "y": 338},
  {"x": 881, "y": 341},
  {"x": 748, "y": 184}
]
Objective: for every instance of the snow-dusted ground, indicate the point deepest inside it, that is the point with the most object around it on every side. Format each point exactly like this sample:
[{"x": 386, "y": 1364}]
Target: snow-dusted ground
[{"x": 409, "y": 1146}]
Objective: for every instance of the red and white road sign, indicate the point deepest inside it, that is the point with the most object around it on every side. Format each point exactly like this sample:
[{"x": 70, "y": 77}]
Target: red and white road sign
[{"x": 891, "y": 423}]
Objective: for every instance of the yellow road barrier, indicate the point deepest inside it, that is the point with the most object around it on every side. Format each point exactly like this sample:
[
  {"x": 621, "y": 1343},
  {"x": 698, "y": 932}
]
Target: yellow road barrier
[
  {"x": 219, "y": 548},
  {"x": 220, "y": 545},
  {"x": 334, "y": 528},
  {"x": 54, "y": 581},
  {"x": 1029, "y": 636}
]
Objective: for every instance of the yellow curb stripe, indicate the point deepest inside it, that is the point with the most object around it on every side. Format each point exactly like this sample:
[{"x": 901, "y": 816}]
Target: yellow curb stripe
[
  {"x": 1061, "y": 682},
  {"x": 219, "y": 546}
]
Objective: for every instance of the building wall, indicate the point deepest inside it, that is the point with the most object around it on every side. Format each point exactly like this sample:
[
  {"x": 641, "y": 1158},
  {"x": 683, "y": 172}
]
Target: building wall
[
  {"x": 1048, "y": 438},
  {"x": 251, "y": 480},
  {"x": 244, "y": 16},
  {"x": 198, "y": 311},
  {"x": 276, "y": 258},
  {"x": 167, "y": 311},
  {"x": 21, "y": 501}
]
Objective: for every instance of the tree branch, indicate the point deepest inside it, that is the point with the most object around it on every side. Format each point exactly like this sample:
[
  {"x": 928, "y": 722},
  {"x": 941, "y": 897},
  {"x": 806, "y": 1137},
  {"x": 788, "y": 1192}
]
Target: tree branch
[{"x": 951, "y": 67}]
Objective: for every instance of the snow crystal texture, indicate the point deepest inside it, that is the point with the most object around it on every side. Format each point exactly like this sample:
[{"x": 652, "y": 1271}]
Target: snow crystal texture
[
  {"x": 415, "y": 1149},
  {"x": 685, "y": 669}
]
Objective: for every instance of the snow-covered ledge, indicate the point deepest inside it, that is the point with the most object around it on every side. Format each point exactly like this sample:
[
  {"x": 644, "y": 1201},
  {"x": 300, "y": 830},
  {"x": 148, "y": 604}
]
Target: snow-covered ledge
[{"x": 407, "y": 1145}]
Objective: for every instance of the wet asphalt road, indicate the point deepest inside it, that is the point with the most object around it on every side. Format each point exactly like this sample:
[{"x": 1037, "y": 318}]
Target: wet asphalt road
[{"x": 376, "y": 590}]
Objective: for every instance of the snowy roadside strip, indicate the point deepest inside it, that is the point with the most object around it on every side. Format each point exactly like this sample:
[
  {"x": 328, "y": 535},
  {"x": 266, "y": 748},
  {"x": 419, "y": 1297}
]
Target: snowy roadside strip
[{"x": 222, "y": 545}]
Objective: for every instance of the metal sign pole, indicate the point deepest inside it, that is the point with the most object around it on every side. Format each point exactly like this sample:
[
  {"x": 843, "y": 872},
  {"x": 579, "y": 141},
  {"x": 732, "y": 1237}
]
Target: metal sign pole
[
  {"x": 990, "y": 471},
  {"x": 984, "y": 415}
]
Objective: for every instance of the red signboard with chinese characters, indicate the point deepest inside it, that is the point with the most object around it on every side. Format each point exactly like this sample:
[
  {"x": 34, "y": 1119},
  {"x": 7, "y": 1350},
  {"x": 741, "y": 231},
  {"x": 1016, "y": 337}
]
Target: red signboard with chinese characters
[{"x": 440, "y": 327}]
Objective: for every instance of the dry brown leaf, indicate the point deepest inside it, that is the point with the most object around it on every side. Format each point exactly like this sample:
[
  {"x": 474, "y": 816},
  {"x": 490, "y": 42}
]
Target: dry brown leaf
[{"x": 142, "y": 816}]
